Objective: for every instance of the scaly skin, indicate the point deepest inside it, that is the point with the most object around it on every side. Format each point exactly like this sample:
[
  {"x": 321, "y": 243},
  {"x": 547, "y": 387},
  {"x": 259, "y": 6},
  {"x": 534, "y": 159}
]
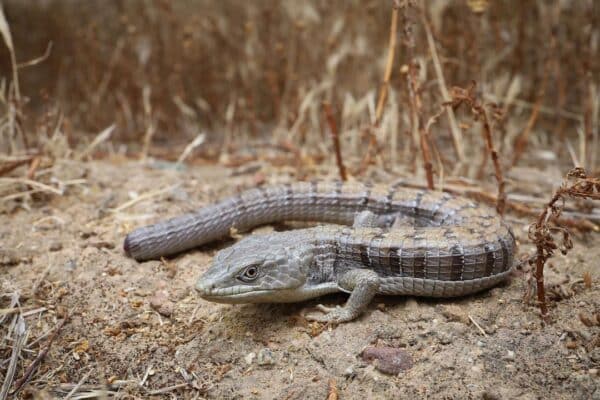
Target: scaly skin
[{"x": 403, "y": 242}]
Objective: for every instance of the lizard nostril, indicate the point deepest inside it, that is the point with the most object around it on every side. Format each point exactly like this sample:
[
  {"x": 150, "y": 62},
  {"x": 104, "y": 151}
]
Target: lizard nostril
[{"x": 205, "y": 288}]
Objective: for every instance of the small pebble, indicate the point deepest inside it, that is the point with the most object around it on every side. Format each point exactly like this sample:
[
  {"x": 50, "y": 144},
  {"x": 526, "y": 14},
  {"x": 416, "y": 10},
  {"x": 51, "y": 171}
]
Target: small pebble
[
  {"x": 250, "y": 358},
  {"x": 100, "y": 244},
  {"x": 380, "y": 387},
  {"x": 179, "y": 194},
  {"x": 489, "y": 395},
  {"x": 595, "y": 354},
  {"x": 445, "y": 338},
  {"x": 349, "y": 372},
  {"x": 161, "y": 303},
  {"x": 424, "y": 333},
  {"x": 215, "y": 316},
  {"x": 571, "y": 344},
  {"x": 509, "y": 356},
  {"x": 388, "y": 360},
  {"x": 71, "y": 265},
  {"x": 55, "y": 246},
  {"x": 454, "y": 314},
  {"x": 86, "y": 234},
  {"x": 265, "y": 357}
]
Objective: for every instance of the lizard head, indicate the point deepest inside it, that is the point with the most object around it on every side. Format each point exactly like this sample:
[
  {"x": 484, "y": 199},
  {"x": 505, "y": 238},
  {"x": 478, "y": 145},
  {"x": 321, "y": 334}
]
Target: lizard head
[{"x": 258, "y": 269}]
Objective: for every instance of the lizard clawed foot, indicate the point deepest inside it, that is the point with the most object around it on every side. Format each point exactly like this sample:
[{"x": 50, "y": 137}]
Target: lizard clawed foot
[
  {"x": 362, "y": 285},
  {"x": 325, "y": 309},
  {"x": 331, "y": 315}
]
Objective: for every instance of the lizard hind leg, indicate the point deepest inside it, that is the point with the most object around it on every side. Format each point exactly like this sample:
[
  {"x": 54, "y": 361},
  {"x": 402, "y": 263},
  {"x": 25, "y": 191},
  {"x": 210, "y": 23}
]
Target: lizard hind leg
[{"x": 363, "y": 285}]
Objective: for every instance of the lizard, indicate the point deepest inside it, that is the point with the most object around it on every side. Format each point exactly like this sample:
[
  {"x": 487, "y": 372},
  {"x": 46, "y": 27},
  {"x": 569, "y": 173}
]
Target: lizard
[{"x": 397, "y": 241}]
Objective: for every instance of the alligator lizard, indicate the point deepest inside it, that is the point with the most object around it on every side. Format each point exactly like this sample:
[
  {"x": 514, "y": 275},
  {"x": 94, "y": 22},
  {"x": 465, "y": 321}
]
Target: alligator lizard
[{"x": 402, "y": 242}]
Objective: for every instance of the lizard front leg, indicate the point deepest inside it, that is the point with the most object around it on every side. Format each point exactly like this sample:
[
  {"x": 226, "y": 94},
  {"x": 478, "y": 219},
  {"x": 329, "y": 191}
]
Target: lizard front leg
[{"x": 362, "y": 284}]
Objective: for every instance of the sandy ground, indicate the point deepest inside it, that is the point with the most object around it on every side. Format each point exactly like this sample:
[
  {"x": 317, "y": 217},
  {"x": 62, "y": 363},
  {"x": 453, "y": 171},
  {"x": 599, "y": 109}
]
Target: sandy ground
[{"x": 137, "y": 330}]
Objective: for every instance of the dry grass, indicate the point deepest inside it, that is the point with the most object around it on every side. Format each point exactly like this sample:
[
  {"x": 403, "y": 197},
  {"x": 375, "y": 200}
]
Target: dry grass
[
  {"x": 166, "y": 71},
  {"x": 265, "y": 81}
]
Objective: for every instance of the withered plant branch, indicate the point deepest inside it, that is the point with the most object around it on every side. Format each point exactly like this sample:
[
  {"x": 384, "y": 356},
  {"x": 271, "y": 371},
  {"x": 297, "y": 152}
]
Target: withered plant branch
[
  {"x": 335, "y": 138},
  {"x": 457, "y": 138},
  {"x": 424, "y": 136},
  {"x": 11, "y": 165},
  {"x": 7, "y": 36},
  {"x": 467, "y": 96},
  {"x": 408, "y": 41},
  {"x": 522, "y": 139},
  {"x": 418, "y": 125},
  {"x": 388, "y": 67},
  {"x": 40, "y": 357},
  {"x": 415, "y": 107},
  {"x": 20, "y": 336},
  {"x": 33, "y": 167},
  {"x": 432, "y": 120},
  {"x": 37, "y": 60},
  {"x": 479, "y": 194},
  {"x": 575, "y": 185},
  {"x": 373, "y": 149},
  {"x": 487, "y": 134}
]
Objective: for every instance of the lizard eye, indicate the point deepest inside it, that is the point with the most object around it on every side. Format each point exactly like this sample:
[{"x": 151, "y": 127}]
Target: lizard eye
[{"x": 249, "y": 274}]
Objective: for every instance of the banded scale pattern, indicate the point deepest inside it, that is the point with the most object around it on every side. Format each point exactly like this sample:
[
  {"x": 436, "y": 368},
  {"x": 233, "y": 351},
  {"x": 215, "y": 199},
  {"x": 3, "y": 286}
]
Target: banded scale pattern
[
  {"x": 331, "y": 202},
  {"x": 431, "y": 243}
]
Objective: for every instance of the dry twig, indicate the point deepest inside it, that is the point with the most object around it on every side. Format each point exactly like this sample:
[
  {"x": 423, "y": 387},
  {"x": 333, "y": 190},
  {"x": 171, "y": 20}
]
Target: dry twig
[
  {"x": 11, "y": 165},
  {"x": 467, "y": 96},
  {"x": 523, "y": 138},
  {"x": 388, "y": 67},
  {"x": 423, "y": 132},
  {"x": 454, "y": 128},
  {"x": 20, "y": 336},
  {"x": 40, "y": 357},
  {"x": 336, "y": 140}
]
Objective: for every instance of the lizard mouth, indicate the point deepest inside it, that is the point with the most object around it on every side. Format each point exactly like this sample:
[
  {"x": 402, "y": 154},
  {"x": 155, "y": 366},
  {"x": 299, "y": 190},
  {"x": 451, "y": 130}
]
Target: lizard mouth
[
  {"x": 249, "y": 294},
  {"x": 233, "y": 294},
  {"x": 257, "y": 296}
]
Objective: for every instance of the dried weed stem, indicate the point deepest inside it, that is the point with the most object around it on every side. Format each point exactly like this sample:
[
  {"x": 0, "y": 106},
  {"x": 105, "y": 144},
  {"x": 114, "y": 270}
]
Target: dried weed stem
[
  {"x": 40, "y": 357},
  {"x": 522, "y": 139},
  {"x": 420, "y": 132},
  {"x": 467, "y": 96},
  {"x": 335, "y": 138},
  {"x": 457, "y": 138},
  {"x": 576, "y": 185},
  {"x": 388, "y": 67}
]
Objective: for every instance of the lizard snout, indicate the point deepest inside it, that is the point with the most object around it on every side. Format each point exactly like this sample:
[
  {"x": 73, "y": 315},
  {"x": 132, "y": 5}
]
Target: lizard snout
[{"x": 204, "y": 288}]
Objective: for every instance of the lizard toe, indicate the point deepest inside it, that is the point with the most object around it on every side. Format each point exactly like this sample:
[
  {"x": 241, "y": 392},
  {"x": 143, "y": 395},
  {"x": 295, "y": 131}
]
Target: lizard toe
[
  {"x": 331, "y": 315},
  {"x": 325, "y": 309}
]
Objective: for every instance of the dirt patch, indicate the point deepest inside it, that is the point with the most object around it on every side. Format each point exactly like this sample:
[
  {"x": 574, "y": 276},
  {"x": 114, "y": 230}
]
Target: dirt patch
[{"x": 138, "y": 329}]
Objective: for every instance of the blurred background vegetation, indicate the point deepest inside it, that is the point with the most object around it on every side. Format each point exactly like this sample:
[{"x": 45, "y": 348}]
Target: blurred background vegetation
[{"x": 261, "y": 70}]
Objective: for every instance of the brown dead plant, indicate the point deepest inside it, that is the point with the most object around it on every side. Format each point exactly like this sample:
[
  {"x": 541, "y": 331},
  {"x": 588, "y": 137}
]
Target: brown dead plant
[
  {"x": 469, "y": 98},
  {"x": 335, "y": 138},
  {"x": 545, "y": 231}
]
